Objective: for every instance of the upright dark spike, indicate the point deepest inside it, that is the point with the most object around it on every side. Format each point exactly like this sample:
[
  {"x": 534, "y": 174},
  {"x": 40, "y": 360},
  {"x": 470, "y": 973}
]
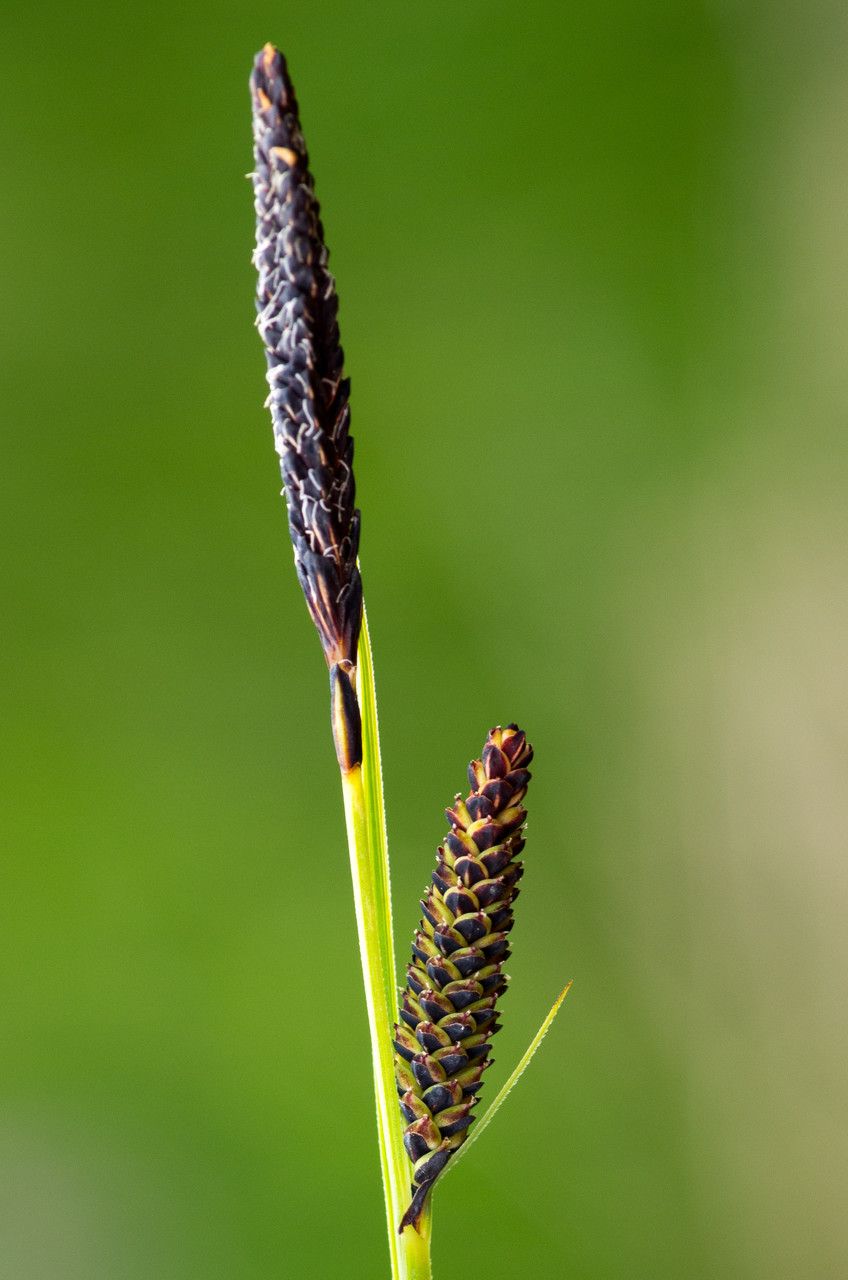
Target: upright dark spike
[
  {"x": 297, "y": 309},
  {"x": 448, "y": 1011}
]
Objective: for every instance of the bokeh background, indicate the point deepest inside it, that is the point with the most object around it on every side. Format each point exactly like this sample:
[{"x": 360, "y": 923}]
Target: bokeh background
[{"x": 592, "y": 267}]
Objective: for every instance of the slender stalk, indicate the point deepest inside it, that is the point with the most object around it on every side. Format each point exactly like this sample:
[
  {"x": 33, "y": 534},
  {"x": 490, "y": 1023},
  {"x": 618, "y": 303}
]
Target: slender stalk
[
  {"x": 366, "y": 830},
  {"x": 372, "y": 779}
]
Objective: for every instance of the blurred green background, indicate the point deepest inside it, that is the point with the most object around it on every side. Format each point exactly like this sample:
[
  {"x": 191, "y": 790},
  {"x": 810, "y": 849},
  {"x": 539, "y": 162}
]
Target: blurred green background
[{"x": 592, "y": 268}]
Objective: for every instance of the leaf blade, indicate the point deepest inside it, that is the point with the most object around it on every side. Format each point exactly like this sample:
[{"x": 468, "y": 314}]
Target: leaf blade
[{"x": 526, "y": 1058}]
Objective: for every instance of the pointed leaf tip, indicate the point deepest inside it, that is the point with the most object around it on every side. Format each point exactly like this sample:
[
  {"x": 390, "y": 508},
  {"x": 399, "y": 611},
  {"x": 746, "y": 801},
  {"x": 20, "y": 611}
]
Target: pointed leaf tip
[{"x": 516, "y": 1075}]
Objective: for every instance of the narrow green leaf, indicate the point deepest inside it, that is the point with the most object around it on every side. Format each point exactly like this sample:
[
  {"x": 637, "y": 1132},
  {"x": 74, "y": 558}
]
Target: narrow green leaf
[
  {"x": 372, "y": 781},
  {"x": 507, "y": 1089}
]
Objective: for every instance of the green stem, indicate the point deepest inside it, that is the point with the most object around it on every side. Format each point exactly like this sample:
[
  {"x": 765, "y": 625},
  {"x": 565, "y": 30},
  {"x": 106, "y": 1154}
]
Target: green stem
[
  {"x": 416, "y": 1250},
  {"x": 362, "y": 787}
]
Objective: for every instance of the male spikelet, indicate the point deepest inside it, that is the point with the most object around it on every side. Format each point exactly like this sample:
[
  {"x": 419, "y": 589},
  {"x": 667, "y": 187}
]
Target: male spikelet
[
  {"x": 296, "y": 317},
  {"x": 456, "y": 975}
]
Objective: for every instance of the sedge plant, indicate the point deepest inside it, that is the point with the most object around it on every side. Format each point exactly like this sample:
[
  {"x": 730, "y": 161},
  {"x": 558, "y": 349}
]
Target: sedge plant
[{"x": 431, "y": 1047}]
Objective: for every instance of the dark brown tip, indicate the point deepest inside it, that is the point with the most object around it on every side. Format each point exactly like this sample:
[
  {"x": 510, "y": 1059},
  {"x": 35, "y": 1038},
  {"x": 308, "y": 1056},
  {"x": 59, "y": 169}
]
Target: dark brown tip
[{"x": 346, "y": 720}]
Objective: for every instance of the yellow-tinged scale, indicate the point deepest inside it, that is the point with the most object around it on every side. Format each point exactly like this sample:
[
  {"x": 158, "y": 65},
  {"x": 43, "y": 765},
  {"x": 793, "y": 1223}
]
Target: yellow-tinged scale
[{"x": 285, "y": 153}]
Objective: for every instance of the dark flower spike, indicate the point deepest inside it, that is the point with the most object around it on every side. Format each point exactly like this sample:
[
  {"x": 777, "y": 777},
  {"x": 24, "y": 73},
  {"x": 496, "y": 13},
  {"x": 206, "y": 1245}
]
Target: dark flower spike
[
  {"x": 455, "y": 978},
  {"x": 297, "y": 309}
]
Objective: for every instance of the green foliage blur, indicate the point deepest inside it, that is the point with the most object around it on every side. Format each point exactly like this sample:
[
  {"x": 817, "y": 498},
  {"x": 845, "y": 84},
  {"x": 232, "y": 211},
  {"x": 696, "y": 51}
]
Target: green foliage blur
[{"x": 592, "y": 268}]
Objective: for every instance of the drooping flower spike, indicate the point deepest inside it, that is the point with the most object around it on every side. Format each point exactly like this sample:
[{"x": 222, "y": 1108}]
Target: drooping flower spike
[{"x": 456, "y": 976}]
